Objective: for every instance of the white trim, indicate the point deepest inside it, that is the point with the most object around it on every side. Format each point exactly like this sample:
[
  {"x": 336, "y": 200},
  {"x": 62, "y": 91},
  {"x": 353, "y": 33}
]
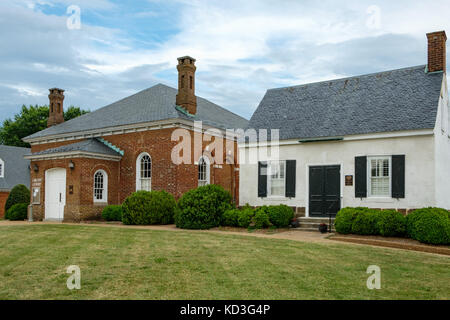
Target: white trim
[
  {"x": 369, "y": 177},
  {"x": 342, "y": 180},
  {"x": 2, "y": 168},
  {"x": 138, "y": 127},
  {"x": 73, "y": 154},
  {"x": 105, "y": 187},
  {"x": 382, "y": 135},
  {"x": 208, "y": 169},
  {"x": 138, "y": 170}
]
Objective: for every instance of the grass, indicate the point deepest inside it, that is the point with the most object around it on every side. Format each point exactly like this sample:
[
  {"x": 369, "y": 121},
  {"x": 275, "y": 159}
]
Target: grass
[{"x": 126, "y": 263}]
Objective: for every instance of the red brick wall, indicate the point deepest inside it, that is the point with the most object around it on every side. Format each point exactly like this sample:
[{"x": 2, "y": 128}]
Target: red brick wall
[
  {"x": 3, "y": 197},
  {"x": 176, "y": 179}
]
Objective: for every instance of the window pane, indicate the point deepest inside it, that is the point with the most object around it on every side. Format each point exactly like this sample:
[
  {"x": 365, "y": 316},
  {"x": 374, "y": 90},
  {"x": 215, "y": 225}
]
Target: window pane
[{"x": 277, "y": 178}]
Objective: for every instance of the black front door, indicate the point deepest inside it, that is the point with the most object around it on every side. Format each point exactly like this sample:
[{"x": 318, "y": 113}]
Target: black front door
[{"x": 324, "y": 190}]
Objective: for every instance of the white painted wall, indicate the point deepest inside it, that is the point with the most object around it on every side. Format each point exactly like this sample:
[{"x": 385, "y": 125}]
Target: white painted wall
[
  {"x": 420, "y": 170},
  {"x": 442, "y": 150}
]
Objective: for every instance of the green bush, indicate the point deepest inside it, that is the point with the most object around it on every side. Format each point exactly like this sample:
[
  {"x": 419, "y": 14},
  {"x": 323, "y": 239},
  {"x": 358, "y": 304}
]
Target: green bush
[
  {"x": 280, "y": 216},
  {"x": 112, "y": 213},
  {"x": 17, "y": 212},
  {"x": 391, "y": 223},
  {"x": 245, "y": 217},
  {"x": 202, "y": 208},
  {"x": 365, "y": 222},
  {"x": 430, "y": 225},
  {"x": 261, "y": 218},
  {"x": 344, "y": 219},
  {"x": 149, "y": 208},
  {"x": 18, "y": 194},
  {"x": 230, "y": 218}
]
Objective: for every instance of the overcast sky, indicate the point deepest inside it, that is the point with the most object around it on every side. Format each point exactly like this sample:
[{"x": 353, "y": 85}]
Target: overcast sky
[{"x": 242, "y": 47}]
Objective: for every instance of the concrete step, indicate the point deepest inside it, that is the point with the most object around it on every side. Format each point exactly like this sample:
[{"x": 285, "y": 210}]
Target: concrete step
[{"x": 315, "y": 220}]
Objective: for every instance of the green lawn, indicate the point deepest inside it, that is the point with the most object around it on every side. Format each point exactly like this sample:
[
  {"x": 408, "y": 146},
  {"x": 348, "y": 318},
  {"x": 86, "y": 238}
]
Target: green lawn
[{"x": 122, "y": 263}]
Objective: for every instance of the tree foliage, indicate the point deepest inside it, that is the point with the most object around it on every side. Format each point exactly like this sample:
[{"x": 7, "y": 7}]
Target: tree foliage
[{"x": 30, "y": 120}]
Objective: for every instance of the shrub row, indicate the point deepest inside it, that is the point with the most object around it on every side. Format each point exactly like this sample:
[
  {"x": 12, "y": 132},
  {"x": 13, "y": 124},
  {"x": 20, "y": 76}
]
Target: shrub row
[
  {"x": 431, "y": 225},
  {"x": 17, "y": 212},
  {"x": 20, "y": 194},
  {"x": 263, "y": 217}
]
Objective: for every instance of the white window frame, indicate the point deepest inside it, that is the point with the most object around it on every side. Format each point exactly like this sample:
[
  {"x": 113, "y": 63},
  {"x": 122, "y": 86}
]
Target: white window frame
[
  {"x": 369, "y": 176},
  {"x": 138, "y": 171},
  {"x": 105, "y": 187},
  {"x": 269, "y": 179},
  {"x": 208, "y": 171},
  {"x": 2, "y": 168}
]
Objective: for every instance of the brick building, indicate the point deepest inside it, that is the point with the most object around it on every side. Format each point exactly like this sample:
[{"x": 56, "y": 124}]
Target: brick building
[{"x": 82, "y": 165}]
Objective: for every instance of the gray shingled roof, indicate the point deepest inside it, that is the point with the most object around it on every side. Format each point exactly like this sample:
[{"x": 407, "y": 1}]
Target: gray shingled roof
[
  {"x": 89, "y": 145},
  {"x": 153, "y": 104},
  {"x": 404, "y": 99},
  {"x": 16, "y": 167}
]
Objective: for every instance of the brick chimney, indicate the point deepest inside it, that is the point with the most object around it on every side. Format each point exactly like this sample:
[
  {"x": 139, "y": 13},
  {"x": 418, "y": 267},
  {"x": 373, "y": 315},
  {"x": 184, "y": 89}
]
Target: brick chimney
[
  {"x": 186, "y": 84},
  {"x": 437, "y": 51},
  {"x": 56, "y": 112}
]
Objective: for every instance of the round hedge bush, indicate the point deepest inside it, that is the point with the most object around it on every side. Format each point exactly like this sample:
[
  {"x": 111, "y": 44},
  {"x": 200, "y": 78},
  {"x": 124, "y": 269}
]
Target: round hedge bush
[
  {"x": 149, "y": 208},
  {"x": 112, "y": 213},
  {"x": 245, "y": 217},
  {"x": 202, "y": 208},
  {"x": 430, "y": 225},
  {"x": 261, "y": 218},
  {"x": 344, "y": 220},
  {"x": 230, "y": 218},
  {"x": 280, "y": 216},
  {"x": 365, "y": 223},
  {"x": 391, "y": 223},
  {"x": 17, "y": 212},
  {"x": 18, "y": 194}
]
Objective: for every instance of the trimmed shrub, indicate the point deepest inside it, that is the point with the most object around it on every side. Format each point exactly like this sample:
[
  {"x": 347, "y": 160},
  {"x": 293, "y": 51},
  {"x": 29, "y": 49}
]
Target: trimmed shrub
[
  {"x": 149, "y": 208},
  {"x": 202, "y": 208},
  {"x": 230, "y": 218},
  {"x": 17, "y": 212},
  {"x": 245, "y": 217},
  {"x": 261, "y": 218},
  {"x": 430, "y": 225},
  {"x": 280, "y": 216},
  {"x": 112, "y": 213},
  {"x": 365, "y": 222},
  {"x": 344, "y": 219},
  {"x": 18, "y": 194},
  {"x": 391, "y": 223}
]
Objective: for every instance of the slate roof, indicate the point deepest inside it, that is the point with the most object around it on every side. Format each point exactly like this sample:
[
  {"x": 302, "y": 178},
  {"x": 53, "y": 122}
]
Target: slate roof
[
  {"x": 16, "y": 167},
  {"x": 153, "y": 104},
  {"x": 404, "y": 99},
  {"x": 89, "y": 145}
]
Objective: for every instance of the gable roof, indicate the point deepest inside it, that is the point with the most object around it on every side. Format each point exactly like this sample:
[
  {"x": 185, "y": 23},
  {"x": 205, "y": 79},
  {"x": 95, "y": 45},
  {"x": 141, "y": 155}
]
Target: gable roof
[
  {"x": 92, "y": 146},
  {"x": 16, "y": 169},
  {"x": 153, "y": 104},
  {"x": 404, "y": 99}
]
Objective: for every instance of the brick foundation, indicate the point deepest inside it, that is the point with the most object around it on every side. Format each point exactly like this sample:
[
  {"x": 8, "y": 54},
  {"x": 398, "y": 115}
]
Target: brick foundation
[{"x": 3, "y": 198}]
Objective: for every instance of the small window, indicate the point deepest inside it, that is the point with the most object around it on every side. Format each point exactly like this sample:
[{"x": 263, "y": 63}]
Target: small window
[
  {"x": 100, "y": 186},
  {"x": 2, "y": 169},
  {"x": 203, "y": 172},
  {"x": 51, "y": 107},
  {"x": 191, "y": 82},
  {"x": 182, "y": 81},
  {"x": 379, "y": 176},
  {"x": 144, "y": 172},
  {"x": 59, "y": 107},
  {"x": 276, "y": 186}
]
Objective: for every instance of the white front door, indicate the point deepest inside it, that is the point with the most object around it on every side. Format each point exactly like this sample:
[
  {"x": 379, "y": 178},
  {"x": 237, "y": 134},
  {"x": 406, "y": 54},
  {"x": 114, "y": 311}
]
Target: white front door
[{"x": 55, "y": 194}]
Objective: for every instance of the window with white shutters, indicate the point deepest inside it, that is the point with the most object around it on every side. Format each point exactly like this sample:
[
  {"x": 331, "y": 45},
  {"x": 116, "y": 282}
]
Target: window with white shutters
[{"x": 379, "y": 176}]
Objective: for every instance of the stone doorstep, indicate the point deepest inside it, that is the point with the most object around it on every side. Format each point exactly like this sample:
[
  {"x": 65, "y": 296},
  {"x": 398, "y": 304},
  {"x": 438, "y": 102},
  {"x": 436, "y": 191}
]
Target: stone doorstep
[{"x": 393, "y": 244}]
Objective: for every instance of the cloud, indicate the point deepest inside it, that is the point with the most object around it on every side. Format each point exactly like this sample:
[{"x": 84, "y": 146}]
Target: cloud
[{"x": 242, "y": 47}]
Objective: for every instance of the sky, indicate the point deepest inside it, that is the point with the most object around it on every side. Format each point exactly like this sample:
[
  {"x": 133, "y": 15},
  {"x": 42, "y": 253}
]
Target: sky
[{"x": 101, "y": 51}]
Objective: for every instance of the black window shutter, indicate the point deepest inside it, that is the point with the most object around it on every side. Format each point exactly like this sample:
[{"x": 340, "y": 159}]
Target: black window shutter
[
  {"x": 398, "y": 176},
  {"x": 290, "y": 178},
  {"x": 262, "y": 179},
  {"x": 361, "y": 177}
]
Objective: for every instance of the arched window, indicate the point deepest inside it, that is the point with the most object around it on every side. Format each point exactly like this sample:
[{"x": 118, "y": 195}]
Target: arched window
[
  {"x": 144, "y": 172},
  {"x": 2, "y": 169},
  {"x": 100, "y": 186},
  {"x": 203, "y": 171}
]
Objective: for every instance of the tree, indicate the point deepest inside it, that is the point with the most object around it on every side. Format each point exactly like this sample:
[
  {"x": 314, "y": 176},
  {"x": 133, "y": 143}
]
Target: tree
[{"x": 30, "y": 120}]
